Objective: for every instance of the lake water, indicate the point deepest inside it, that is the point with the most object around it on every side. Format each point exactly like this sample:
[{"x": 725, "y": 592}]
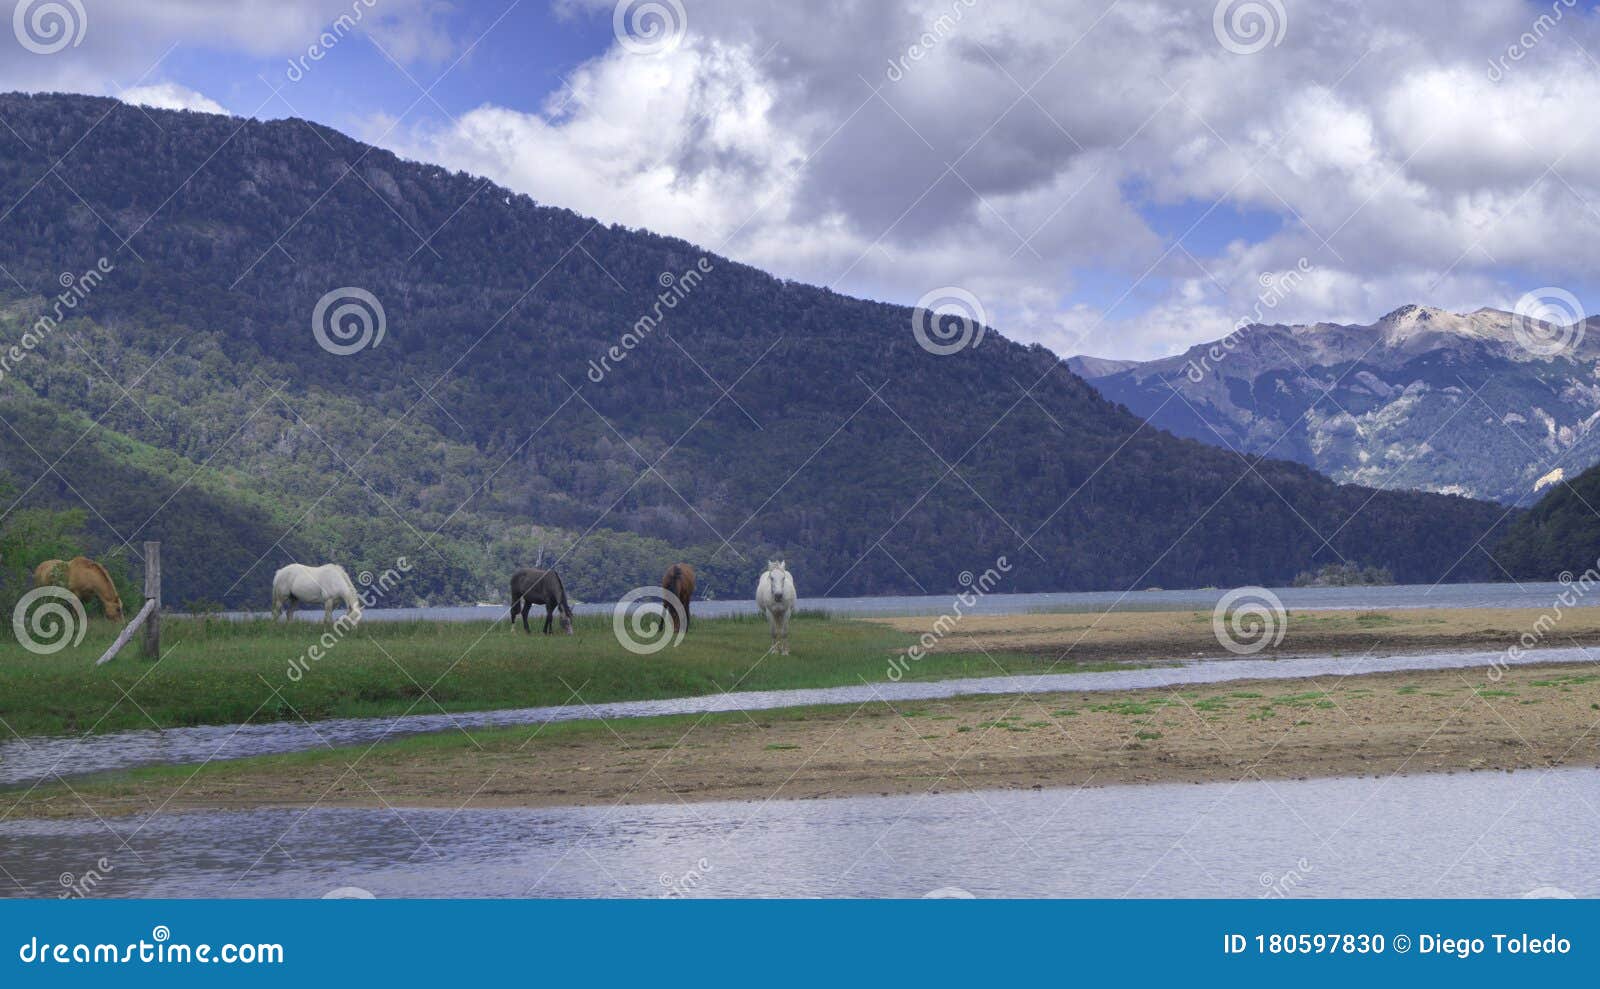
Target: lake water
[
  {"x": 1461, "y": 835},
  {"x": 1528, "y": 595},
  {"x": 26, "y": 760}
]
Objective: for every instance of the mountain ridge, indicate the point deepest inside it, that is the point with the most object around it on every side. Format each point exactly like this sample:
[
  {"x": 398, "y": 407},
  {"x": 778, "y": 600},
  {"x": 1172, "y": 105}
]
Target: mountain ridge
[
  {"x": 758, "y": 416},
  {"x": 1482, "y": 403}
]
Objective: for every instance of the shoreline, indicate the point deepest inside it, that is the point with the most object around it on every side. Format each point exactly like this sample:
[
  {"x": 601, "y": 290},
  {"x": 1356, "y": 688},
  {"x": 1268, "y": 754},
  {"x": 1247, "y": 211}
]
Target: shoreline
[
  {"x": 1530, "y": 717},
  {"x": 1181, "y": 635}
]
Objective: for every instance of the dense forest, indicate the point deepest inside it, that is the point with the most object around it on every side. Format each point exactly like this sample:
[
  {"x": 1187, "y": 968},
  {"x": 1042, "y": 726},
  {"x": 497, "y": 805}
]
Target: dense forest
[
  {"x": 517, "y": 408},
  {"x": 1559, "y": 535}
]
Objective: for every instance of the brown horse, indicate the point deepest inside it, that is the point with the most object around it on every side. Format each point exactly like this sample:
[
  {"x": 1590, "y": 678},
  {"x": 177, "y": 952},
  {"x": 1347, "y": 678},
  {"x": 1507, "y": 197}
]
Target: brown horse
[
  {"x": 679, "y": 582},
  {"x": 83, "y": 577}
]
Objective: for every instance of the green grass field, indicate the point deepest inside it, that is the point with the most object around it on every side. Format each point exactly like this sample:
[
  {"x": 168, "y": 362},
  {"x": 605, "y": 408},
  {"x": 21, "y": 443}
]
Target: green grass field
[{"x": 216, "y": 671}]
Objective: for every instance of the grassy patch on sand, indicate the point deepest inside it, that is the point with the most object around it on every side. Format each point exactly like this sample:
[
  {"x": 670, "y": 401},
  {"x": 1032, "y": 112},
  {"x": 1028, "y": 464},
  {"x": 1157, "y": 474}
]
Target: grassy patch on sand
[{"x": 216, "y": 671}]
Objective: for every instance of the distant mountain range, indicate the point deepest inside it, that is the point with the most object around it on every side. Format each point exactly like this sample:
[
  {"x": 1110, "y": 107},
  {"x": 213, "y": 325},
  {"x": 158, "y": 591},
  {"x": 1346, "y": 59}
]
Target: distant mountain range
[
  {"x": 1475, "y": 404},
  {"x": 540, "y": 384}
]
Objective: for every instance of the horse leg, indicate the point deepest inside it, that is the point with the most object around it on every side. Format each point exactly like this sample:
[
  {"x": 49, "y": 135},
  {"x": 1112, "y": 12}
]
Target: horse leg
[
  {"x": 784, "y": 624},
  {"x": 327, "y": 611},
  {"x": 277, "y": 607},
  {"x": 687, "y": 620},
  {"x": 511, "y": 623},
  {"x": 549, "y": 616}
]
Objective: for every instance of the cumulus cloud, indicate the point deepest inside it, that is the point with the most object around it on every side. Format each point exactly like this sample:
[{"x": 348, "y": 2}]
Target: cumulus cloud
[
  {"x": 1020, "y": 150},
  {"x": 171, "y": 96},
  {"x": 1082, "y": 167}
]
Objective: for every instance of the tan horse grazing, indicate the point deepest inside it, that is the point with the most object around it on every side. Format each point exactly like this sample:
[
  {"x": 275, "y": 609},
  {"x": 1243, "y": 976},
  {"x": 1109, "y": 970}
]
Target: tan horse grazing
[
  {"x": 678, "y": 582},
  {"x": 83, "y": 577}
]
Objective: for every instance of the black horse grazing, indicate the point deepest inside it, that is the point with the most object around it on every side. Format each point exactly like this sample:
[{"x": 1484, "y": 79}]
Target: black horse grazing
[{"x": 530, "y": 587}]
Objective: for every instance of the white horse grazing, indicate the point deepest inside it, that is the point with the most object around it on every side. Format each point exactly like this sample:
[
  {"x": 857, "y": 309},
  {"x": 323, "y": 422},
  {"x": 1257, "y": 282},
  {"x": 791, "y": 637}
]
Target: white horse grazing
[
  {"x": 325, "y": 585},
  {"x": 776, "y": 599}
]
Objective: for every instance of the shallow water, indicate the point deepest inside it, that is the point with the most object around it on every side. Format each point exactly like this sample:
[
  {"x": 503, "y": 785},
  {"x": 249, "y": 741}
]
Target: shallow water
[
  {"x": 25, "y": 761},
  {"x": 1528, "y": 595},
  {"x": 1462, "y": 835}
]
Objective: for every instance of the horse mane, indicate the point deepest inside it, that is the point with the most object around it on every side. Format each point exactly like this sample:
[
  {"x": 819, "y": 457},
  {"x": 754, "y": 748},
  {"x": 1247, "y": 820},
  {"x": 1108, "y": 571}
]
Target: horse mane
[
  {"x": 350, "y": 587},
  {"x": 566, "y": 608},
  {"x": 105, "y": 575}
]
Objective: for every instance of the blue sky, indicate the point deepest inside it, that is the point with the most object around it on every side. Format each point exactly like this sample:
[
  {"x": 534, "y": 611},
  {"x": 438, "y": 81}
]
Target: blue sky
[
  {"x": 513, "y": 55},
  {"x": 1113, "y": 179}
]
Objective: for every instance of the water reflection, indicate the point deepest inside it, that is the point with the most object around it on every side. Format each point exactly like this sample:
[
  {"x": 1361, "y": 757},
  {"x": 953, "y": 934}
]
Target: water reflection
[{"x": 1475, "y": 834}]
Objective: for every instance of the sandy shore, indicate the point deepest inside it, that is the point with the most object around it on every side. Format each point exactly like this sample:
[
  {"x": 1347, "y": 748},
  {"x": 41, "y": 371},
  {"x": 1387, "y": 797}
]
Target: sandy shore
[
  {"x": 1142, "y": 635},
  {"x": 1377, "y": 724}
]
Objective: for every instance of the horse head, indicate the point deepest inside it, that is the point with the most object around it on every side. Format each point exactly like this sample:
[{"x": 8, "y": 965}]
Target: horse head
[{"x": 777, "y": 580}]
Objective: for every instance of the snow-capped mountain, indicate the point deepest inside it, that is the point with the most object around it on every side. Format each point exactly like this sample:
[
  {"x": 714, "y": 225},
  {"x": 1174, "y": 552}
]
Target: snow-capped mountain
[{"x": 1487, "y": 403}]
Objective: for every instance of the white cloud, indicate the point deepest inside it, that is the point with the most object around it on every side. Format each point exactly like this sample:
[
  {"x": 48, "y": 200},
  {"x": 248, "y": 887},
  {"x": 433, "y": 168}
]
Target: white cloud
[
  {"x": 1016, "y": 153},
  {"x": 1024, "y": 150},
  {"x": 171, "y": 96}
]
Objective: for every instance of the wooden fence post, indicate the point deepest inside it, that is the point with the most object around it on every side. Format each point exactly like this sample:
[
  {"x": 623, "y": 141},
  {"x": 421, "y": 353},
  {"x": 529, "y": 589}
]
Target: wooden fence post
[{"x": 152, "y": 592}]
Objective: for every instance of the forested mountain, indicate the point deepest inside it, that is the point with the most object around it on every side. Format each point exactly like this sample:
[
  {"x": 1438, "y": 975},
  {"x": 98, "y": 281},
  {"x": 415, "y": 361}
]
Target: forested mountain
[
  {"x": 515, "y": 403},
  {"x": 1558, "y": 535},
  {"x": 1422, "y": 398}
]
